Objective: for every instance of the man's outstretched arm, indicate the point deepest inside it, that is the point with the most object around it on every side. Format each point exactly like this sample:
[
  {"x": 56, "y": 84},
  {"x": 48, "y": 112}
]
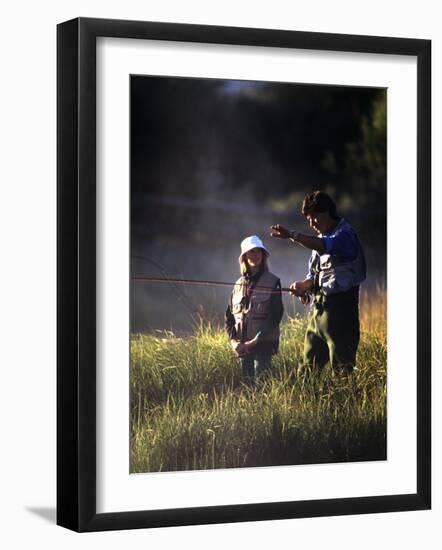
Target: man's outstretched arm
[{"x": 307, "y": 241}]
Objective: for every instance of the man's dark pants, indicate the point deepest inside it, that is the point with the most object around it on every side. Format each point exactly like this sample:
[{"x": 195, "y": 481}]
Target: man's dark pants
[{"x": 333, "y": 333}]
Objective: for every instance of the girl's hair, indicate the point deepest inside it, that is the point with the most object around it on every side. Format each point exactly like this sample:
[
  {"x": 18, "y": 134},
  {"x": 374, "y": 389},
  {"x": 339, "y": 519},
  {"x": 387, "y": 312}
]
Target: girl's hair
[{"x": 244, "y": 264}]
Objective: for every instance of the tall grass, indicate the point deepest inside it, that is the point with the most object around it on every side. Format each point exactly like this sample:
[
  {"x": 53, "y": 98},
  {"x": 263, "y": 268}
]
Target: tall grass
[{"x": 190, "y": 409}]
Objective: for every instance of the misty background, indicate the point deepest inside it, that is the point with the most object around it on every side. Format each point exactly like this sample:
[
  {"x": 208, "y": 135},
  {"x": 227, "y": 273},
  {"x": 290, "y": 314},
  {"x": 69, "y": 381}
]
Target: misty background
[{"x": 214, "y": 161}]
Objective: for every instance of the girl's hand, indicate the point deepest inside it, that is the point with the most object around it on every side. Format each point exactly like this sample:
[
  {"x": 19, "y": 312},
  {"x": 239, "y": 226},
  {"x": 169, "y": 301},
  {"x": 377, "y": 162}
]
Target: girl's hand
[
  {"x": 250, "y": 343},
  {"x": 240, "y": 350},
  {"x": 237, "y": 347}
]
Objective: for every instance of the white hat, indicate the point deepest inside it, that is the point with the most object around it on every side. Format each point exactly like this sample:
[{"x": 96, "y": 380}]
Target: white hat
[{"x": 252, "y": 242}]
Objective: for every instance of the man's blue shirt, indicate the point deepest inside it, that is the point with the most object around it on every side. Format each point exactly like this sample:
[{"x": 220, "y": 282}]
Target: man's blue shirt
[{"x": 340, "y": 241}]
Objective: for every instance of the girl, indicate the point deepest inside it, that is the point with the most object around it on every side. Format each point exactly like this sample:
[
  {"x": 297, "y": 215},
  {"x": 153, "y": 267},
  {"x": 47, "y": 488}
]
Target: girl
[{"x": 254, "y": 311}]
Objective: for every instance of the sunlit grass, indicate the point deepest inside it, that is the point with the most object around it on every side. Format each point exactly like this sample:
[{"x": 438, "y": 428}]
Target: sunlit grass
[{"x": 190, "y": 409}]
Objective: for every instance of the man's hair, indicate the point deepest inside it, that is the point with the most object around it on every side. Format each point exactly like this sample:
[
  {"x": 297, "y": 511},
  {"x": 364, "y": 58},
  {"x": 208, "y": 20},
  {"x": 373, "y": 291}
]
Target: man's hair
[{"x": 318, "y": 201}]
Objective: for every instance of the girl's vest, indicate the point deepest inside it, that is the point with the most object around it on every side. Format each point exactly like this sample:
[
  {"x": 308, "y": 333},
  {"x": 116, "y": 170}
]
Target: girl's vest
[
  {"x": 255, "y": 316},
  {"x": 333, "y": 275}
]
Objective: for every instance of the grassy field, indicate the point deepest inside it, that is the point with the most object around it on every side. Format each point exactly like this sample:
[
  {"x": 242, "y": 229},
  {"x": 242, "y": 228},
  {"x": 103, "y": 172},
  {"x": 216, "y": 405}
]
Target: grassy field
[{"x": 191, "y": 411}]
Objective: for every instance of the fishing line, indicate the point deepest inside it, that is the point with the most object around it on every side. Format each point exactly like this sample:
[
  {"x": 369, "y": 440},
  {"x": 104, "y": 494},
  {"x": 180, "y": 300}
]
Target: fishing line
[{"x": 182, "y": 296}]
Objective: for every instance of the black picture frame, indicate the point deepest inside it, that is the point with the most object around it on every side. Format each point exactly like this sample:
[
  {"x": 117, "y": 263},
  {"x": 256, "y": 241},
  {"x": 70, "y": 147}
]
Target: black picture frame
[{"x": 76, "y": 274}]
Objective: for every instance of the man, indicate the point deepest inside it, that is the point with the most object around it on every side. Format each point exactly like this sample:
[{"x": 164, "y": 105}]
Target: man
[{"x": 336, "y": 269}]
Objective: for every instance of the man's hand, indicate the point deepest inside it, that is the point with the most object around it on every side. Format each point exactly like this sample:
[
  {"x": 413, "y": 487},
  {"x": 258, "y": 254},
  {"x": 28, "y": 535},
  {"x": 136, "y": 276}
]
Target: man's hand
[
  {"x": 302, "y": 289},
  {"x": 280, "y": 232}
]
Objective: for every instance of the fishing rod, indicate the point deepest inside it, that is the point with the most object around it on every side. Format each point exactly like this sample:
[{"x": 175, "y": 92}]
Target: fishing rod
[{"x": 203, "y": 282}]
